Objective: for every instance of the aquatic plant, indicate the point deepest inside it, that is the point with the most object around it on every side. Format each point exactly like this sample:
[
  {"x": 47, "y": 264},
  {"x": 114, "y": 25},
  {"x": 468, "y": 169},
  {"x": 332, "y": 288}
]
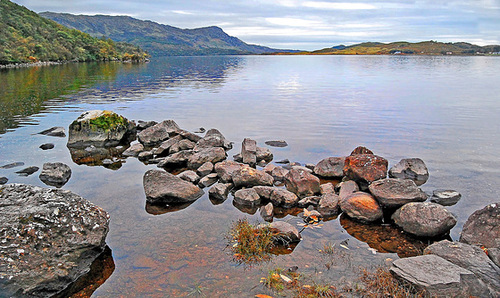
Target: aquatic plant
[{"x": 107, "y": 121}]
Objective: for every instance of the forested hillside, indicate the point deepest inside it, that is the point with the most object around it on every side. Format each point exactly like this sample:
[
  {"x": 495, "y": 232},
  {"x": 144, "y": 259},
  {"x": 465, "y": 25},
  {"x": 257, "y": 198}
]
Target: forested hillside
[{"x": 27, "y": 37}]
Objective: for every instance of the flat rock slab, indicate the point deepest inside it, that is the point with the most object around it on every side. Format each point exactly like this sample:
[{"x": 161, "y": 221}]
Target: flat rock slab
[
  {"x": 50, "y": 237},
  {"x": 278, "y": 143},
  {"x": 54, "y": 132},
  {"x": 163, "y": 187},
  {"x": 482, "y": 227},
  {"x": 424, "y": 219},
  {"x": 28, "y": 171},
  {"x": 12, "y": 165},
  {"x": 438, "y": 276},
  {"x": 393, "y": 193}
]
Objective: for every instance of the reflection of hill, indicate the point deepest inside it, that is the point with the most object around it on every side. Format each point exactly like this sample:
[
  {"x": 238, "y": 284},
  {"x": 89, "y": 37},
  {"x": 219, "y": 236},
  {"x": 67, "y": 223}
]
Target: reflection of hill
[{"x": 29, "y": 91}]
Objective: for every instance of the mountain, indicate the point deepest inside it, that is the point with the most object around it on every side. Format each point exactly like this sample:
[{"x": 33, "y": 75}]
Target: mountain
[
  {"x": 402, "y": 47},
  {"x": 27, "y": 37},
  {"x": 158, "y": 39}
]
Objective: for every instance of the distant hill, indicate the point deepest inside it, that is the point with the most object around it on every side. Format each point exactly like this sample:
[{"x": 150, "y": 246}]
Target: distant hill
[
  {"x": 158, "y": 39},
  {"x": 27, "y": 37},
  {"x": 402, "y": 47}
]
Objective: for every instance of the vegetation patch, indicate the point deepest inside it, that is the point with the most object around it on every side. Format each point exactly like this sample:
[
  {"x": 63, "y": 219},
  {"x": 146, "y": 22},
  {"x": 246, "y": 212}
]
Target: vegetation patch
[{"x": 108, "y": 121}]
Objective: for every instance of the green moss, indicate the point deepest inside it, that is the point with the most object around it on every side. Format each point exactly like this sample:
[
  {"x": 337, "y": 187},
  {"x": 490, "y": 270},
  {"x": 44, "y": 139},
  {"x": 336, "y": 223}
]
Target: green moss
[{"x": 107, "y": 121}]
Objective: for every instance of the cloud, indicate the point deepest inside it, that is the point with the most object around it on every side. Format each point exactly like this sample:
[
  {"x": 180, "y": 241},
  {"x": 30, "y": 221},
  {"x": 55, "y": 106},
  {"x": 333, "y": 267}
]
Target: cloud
[{"x": 338, "y": 5}]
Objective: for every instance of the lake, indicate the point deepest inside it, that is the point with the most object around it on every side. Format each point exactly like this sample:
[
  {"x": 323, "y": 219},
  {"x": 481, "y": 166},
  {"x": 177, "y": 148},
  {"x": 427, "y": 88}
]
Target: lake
[{"x": 443, "y": 110}]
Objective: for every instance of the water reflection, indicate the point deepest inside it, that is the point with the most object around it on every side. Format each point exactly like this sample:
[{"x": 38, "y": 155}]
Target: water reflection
[
  {"x": 107, "y": 157},
  {"x": 156, "y": 209}
]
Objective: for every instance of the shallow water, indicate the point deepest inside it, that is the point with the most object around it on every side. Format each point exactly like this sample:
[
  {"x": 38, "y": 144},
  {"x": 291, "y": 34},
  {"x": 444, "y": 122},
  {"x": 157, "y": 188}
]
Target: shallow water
[{"x": 441, "y": 109}]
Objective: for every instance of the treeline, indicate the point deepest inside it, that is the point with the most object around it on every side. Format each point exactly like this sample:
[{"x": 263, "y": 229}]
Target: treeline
[{"x": 27, "y": 37}]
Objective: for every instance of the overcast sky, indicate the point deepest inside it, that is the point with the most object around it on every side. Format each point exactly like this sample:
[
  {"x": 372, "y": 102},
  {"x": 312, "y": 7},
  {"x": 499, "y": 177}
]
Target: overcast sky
[{"x": 309, "y": 25}]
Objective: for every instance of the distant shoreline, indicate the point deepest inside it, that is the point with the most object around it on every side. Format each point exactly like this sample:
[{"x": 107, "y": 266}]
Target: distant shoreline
[{"x": 49, "y": 63}]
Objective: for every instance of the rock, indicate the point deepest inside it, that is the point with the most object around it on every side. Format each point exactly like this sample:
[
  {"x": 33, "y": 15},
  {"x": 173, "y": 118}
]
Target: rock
[
  {"x": 494, "y": 255},
  {"x": 213, "y": 155},
  {"x": 302, "y": 183},
  {"x": 12, "y": 165},
  {"x": 142, "y": 125},
  {"x": 264, "y": 154},
  {"x": 47, "y": 146},
  {"x": 410, "y": 168},
  {"x": 208, "y": 180},
  {"x": 267, "y": 212},
  {"x": 393, "y": 193},
  {"x": 176, "y": 159},
  {"x": 50, "y": 237},
  {"x": 97, "y": 156},
  {"x": 329, "y": 203},
  {"x": 238, "y": 158},
  {"x": 269, "y": 168},
  {"x": 133, "y": 150},
  {"x": 3, "y": 180},
  {"x": 249, "y": 151},
  {"x": 424, "y": 219},
  {"x": 286, "y": 232},
  {"x": 347, "y": 188},
  {"x": 279, "y": 143},
  {"x": 482, "y": 227},
  {"x": 445, "y": 197},
  {"x": 145, "y": 155},
  {"x": 279, "y": 173},
  {"x": 205, "y": 169},
  {"x": 309, "y": 201},
  {"x": 438, "y": 277},
  {"x": 190, "y": 176},
  {"x": 55, "y": 174},
  {"x": 365, "y": 168},
  {"x": 360, "y": 150},
  {"x": 54, "y": 132},
  {"x": 248, "y": 177},
  {"x": 283, "y": 197},
  {"x": 181, "y": 145},
  {"x": 190, "y": 136},
  {"x": 225, "y": 170},
  {"x": 163, "y": 187},
  {"x": 471, "y": 258},
  {"x": 213, "y": 138},
  {"x": 200, "y": 130},
  {"x": 101, "y": 129},
  {"x": 220, "y": 191},
  {"x": 310, "y": 166},
  {"x": 264, "y": 191},
  {"x": 27, "y": 171},
  {"x": 283, "y": 161},
  {"x": 247, "y": 196},
  {"x": 362, "y": 206},
  {"x": 331, "y": 167},
  {"x": 164, "y": 148},
  {"x": 302, "y": 168}
]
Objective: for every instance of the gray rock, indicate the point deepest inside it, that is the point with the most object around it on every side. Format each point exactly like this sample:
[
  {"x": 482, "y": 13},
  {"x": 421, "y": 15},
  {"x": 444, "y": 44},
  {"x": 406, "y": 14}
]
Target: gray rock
[
  {"x": 269, "y": 168},
  {"x": 481, "y": 228},
  {"x": 213, "y": 155},
  {"x": 362, "y": 206},
  {"x": 445, "y": 197},
  {"x": 27, "y": 171},
  {"x": 142, "y": 125},
  {"x": 286, "y": 232},
  {"x": 283, "y": 161},
  {"x": 47, "y": 146},
  {"x": 208, "y": 180},
  {"x": 158, "y": 133},
  {"x": 12, "y": 165},
  {"x": 164, "y": 148},
  {"x": 438, "y": 277},
  {"x": 302, "y": 183},
  {"x": 237, "y": 158},
  {"x": 309, "y": 201},
  {"x": 225, "y": 169},
  {"x": 494, "y": 255},
  {"x": 50, "y": 237},
  {"x": 3, "y": 180},
  {"x": 347, "y": 188},
  {"x": 264, "y": 191},
  {"x": 331, "y": 167},
  {"x": 181, "y": 145},
  {"x": 176, "y": 159},
  {"x": 247, "y": 196},
  {"x": 213, "y": 138},
  {"x": 410, "y": 168},
  {"x": 264, "y": 154},
  {"x": 163, "y": 187},
  {"x": 249, "y": 177},
  {"x": 424, "y": 219},
  {"x": 249, "y": 151},
  {"x": 220, "y": 191},
  {"x": 393, "y": 193},
  {"x": 471, "y": 258},
  {"x": 283, "y": 197},
  {"x": 145, "y": 155},
  {"x": 310, "y": 166},
  {"x": 302, "y": 168},
  {"x": 279, "y": 143},
  {"x": 328, "y": 204},
  {"x": 267, "y": 212},
  {"x": 190, "y": 136},
  {"x": 133, "y": 150},
  {"x": 279, "y": 173},
  {"x": 101, "y": 129},
  {"x": 55, "y": 174},
  {"x": 205, "y": 169},
  {"x": 190, "y": 176},
  {"x": 54, "y": 132}
]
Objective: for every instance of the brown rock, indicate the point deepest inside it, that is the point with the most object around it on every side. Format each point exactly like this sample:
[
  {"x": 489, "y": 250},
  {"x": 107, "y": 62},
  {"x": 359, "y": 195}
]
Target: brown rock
[
  {"x": 249, "y": 177},
  {"x": 302, "y": 183},
  {"x": 365, "y": 168},
  {"x": 393, "y": 193},
  {"x": 330, "y": 167},
  {"x": 286, "y": 232},
  {"x": 361, "y": 150},
  {"x": 163, "y": 187},
  {"x": 213, "y": 155},
  {"x": 247, "y": 196},
  {"x": 482, "y": 228},
  {"x": 266, "y": 212},
  {"x": 410, "y": 168},
  {"x": 361, "y": 206},
  {"x": 225, "y": 170},
  {"x": 283, "y": 197},
  {"x": 249, "y": 151},
  {"x": 347, "y": 188},
  {"x": 424, "y": 219}
]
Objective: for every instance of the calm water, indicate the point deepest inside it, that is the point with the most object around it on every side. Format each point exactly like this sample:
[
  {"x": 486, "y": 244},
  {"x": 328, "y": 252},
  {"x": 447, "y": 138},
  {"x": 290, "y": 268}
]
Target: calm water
[{"x": 441, "y": 109}]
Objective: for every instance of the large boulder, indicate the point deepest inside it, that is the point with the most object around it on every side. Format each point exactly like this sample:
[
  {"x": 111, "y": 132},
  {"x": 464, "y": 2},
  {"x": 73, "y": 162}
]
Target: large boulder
[
  {"x": 226, "y": 169},
  {"x": 301, "y": 182},
  {"x": 482, "y": 227},
  {"x": 158, "y": 133},
  {"x": 55, "y": 173},
  {"x": 213, "y": 155},
  {"x": 439, "y": 277},
  {"x": 424, "y": 219},
  {"x": 101, "y": 129},
  {"x": 365, "y": 168},
  {"x": 163, "y": 187},
  {"x": 393, "y": 193},
  {"x": 331, "y": 167},
  {"x": 362, "y": 206},
  {"x": 248, "y": 177},
  {"x": 410, "y": 168},
  {"x": 471, "y": 258},
  {"x": 50, "y": 237}
]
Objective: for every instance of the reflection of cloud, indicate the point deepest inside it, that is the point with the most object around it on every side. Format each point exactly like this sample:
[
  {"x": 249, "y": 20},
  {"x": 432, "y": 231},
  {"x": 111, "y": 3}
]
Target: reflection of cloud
[{"x": 338, "y": 5}]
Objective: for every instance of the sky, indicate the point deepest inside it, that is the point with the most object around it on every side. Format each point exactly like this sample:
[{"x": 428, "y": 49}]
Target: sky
[{"x": 309, "y": 25}]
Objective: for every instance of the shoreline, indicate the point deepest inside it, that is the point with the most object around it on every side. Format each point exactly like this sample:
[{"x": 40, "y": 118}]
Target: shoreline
[{"x": 50, "y": 63}]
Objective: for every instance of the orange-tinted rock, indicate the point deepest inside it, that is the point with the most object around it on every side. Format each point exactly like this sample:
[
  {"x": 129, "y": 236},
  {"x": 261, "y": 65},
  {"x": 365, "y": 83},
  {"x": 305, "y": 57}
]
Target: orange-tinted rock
[
  {"x": 361, "y": 150},
  {"x": 365, "y": 168},
  {"x": 362, "y": 206},
  {"x": 302, "y": 183}
]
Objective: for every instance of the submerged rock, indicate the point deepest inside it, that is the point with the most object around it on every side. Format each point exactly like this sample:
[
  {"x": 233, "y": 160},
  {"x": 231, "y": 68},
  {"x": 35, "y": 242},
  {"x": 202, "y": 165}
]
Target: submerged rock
[
  {"x": 445, "y": 197},
  {"x": 410, "y": 168},
  {"x": 278, "y": 143},
  {"x": 55, "y": 174},
  {"x": 393, "y": 193},
  {"x": 424, "y": 219},
  {"x": 3, "y": 180},
  {"x": 482, "y": 227},
  {"x": 163, "y": 187},
  {"x": 27, "y": 171},
  {"x": 50, "y": 239},
  {"x": 12, "y": 165}
]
